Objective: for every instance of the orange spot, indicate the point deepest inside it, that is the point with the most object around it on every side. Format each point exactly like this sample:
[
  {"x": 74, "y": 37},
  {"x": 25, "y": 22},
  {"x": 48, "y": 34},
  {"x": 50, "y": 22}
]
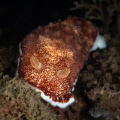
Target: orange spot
[
  {"x": 63, "y": 73},
  {"x": 70, "y": 20},
  {"x": 35, "y": 63}
]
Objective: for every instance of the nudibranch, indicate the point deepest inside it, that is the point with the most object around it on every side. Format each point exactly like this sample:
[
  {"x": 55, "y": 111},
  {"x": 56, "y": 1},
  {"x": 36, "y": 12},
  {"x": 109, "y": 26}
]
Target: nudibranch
[{"x": 52, "y": 56}]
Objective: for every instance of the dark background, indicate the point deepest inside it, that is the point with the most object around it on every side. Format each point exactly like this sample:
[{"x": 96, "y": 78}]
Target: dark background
[{"x": 19, "y": 17}]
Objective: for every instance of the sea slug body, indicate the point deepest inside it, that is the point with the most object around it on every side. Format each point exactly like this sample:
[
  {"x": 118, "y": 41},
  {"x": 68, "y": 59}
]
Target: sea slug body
[{"x": 52, "y": 56}]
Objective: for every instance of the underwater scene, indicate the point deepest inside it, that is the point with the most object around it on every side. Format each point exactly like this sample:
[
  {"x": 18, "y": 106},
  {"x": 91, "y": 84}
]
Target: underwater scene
[{"x": 60, "y": 60}]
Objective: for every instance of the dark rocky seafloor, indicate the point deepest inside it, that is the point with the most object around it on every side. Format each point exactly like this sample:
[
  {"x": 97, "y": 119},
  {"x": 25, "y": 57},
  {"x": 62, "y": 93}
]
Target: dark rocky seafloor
[{"x": 97, "y": 91}]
